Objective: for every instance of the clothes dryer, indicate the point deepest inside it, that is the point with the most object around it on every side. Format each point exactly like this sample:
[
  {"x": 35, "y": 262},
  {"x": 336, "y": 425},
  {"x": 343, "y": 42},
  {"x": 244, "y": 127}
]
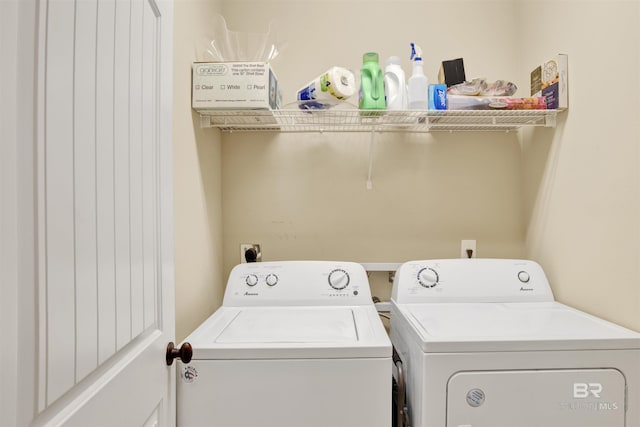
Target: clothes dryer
[
  {"x": 296, "y": 343},
  {"x": 484, "y": 344}
]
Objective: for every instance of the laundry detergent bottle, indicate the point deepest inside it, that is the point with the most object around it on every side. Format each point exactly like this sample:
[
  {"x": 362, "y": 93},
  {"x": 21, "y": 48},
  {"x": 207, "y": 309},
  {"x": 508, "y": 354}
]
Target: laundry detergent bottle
[
  {"x": 395, "y": 85},
  {"x": 418, "y": 85},
  {"x": 371, "y": 83}
]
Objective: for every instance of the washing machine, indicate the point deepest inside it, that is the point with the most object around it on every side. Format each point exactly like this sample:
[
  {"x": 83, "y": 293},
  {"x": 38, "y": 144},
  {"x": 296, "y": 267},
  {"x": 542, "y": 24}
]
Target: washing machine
[
  {"x": 295, "y": 343},
  {"x": 483, "y": 344}
]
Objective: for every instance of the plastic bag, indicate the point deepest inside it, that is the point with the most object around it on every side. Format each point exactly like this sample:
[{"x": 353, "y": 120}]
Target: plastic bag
[
  {"x": 480, "y": 87},
  {"x": 225, "y": 45},
  {"x": 462, "y": 102}
]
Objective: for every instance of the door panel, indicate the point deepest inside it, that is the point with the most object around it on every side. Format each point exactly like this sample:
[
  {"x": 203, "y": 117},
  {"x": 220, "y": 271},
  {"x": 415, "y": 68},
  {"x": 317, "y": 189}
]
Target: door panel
[
  {"x": 105, "y": 288},
  {"x": 121, "y": 149},
  {"x": 57, "y": 217},
  {"x": 86, "y": 269},
  {"x": 135, "y": 167},
  {"x": 133, "y": 386},
  {"x": 148, "y": 163},
  {"x": 105, "y": 172},
  {"x": 9, "y": 221}
]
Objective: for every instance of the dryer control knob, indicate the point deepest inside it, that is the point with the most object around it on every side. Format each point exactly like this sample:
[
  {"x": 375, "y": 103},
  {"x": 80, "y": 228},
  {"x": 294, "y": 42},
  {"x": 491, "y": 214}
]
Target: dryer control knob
[
  {"x": 428, "y": 277},
  {"x": 524, "y": 277},
  {"x": 339, "y": 279},
  {"x": 251, "y": 280},
  {"x": 271, "y": 279}
]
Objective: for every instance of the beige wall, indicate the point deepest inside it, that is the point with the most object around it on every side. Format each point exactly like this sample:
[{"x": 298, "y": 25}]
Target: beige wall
[
  {"x": 582, "y": 180},
  {"x": 197, "y": 178},
  {"x": 304, "y": 196},
  {"x": 568, "y": 197}
]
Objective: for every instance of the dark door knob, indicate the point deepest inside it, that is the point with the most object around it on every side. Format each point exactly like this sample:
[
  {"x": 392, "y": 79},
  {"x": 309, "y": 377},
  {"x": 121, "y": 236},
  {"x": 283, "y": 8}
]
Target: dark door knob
[{"x": 185, "y": 353}]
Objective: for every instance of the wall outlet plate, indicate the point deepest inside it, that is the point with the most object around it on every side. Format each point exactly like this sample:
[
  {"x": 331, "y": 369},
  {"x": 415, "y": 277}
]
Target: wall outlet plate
[
  {"x": 466, "y": 246},
  {"x": 244, "y": 247}
]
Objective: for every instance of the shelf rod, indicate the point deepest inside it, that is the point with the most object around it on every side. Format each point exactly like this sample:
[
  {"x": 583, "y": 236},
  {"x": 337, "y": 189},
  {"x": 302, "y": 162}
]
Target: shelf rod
[{"x": 371, "y": 144}]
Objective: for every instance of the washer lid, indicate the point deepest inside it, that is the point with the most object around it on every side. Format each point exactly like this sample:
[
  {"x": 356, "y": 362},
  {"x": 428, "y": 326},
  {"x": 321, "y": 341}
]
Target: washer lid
[
  {"x": 513, "y": 327},
  {"x": 291, "y": 332},
  {"x": 291, "y": 325}
]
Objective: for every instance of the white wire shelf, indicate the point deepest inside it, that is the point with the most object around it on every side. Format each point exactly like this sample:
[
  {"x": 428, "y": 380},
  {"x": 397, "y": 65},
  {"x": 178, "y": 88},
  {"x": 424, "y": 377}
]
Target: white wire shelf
[{"x": 294, "y": 120}]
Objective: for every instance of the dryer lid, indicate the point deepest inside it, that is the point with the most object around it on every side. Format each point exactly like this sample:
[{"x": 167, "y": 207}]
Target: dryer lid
[{"x": 513, "y": 327}]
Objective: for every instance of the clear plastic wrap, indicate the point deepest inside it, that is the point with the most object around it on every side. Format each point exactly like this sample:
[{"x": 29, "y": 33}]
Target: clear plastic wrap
[
  {"x": 462, "y": 102},
  {"x": 224, "y": 45},
  {"x": 480, "y": 87}
]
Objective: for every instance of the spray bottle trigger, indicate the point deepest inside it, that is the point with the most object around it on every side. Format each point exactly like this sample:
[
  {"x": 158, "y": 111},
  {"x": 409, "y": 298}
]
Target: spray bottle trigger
[{"x": 416, "y": 52}]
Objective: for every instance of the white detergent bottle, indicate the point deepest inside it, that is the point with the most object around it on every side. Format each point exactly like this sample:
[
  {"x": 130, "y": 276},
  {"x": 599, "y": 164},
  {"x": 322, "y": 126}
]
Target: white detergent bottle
[
  {"x": 418, "y": 85},
  {"x": 395, "y": 85}
]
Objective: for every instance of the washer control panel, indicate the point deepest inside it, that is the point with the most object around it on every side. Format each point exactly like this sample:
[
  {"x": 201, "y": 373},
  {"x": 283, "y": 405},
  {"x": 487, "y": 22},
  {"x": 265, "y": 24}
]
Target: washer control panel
[
  {"x": 298, "y": 283},
  {"x": 470, "y": 280}
]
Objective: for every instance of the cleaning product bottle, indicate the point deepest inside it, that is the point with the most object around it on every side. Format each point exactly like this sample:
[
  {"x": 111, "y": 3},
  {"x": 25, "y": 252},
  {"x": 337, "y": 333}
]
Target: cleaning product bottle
[
  {"x": 371, "y": 83},
  {"x": 395, "y": 85},
  {"x": 418, "y": 85}
]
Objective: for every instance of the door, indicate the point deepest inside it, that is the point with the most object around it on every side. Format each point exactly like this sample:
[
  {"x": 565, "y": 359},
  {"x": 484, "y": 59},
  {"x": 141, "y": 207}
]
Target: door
[
  {"x": 532, "y": 398},
  {"x": 94, "y": 200}
]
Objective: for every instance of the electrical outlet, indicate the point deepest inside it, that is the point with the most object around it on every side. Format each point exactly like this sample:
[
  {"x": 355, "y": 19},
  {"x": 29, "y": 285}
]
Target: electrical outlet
[
  {"x": 244, "y": 247},
  {"x": 465, "y": 247}
]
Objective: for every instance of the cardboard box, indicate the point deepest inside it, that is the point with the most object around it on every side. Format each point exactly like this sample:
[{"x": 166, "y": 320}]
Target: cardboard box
[
  {"x": 234, "y": 85},
  {"x": 551, "y": 80}
]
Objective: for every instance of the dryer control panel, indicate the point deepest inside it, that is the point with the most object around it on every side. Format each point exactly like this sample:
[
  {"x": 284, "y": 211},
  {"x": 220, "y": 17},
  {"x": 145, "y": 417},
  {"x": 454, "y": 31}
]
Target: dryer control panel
[
  {"x": 291, "y": 283},
  {"x": 470, "y": 280}
]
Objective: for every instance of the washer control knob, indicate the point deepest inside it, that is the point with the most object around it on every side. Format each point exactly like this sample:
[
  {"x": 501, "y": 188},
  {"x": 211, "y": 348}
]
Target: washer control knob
[
  {"x": 271, "y": 279},
  {"x": 428, "y": 277},
  {"x": 523, "y": 276},
  {"x": 339, "y": 279},
  {"x": 251, "y": 280}
]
